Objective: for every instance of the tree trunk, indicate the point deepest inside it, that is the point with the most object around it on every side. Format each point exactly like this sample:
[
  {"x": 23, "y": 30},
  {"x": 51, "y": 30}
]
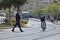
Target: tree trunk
[{"x": 9, "y": 16}]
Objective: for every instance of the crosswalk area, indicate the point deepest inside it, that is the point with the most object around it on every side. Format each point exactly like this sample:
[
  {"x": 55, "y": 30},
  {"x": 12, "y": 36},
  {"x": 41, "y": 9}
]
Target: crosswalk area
[{"x": 32, "y": 31}]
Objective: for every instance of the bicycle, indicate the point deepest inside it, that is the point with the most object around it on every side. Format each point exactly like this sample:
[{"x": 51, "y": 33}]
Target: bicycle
[{"x": 43, "y": 25}]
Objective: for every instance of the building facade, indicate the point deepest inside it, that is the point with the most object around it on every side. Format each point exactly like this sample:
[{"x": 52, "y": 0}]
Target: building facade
[{"x": 32, "y": 4}]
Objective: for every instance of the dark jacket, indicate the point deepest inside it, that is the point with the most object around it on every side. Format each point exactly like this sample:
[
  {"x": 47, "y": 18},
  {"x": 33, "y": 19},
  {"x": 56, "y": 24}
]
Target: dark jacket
[
  {"x": 18, "y": 17},
  {"x": 42, "y": 19}
]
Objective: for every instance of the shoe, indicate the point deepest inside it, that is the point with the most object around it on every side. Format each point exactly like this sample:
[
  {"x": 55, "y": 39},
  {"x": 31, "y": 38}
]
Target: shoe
[
  {"x": 12, "y": 30},
  {"x": 22, "y": 31}
]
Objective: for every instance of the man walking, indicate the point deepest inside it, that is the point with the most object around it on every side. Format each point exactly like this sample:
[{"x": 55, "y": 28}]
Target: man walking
[{"x": 18, "y": 17}]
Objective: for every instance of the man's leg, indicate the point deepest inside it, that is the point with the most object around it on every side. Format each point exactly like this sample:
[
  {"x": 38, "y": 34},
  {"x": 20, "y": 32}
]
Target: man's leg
[
  {"x": 14, "y": 27},
  {"x": 20, "y": 27},
  {"x": 41, "y": 24},
  {"x": 45, "y": 25}
]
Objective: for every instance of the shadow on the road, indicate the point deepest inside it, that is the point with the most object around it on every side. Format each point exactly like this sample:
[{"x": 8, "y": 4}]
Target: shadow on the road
[
  {"x": 17, "y": 32},
  {"x": 25, "y": 27}
]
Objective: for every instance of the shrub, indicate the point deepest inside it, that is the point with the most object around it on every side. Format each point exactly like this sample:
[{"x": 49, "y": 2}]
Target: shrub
[
  {"x": 23, "y": 21},
  {"x": 12, "y": 21}
]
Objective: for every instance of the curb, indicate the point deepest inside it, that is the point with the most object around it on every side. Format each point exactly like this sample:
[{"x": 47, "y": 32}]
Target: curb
[{"x": 35, "y": 19}]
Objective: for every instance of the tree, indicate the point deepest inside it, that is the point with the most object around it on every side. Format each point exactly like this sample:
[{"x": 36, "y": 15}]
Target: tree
[
  {"x": 18, "y": 3},
  {"x": 5, "y": 4},
  {"x": 53, "y": 8},
  {"x": 38, "y": 10},
  {"x": 15, "y": 3},
  {"x": 9, "y": 3}
]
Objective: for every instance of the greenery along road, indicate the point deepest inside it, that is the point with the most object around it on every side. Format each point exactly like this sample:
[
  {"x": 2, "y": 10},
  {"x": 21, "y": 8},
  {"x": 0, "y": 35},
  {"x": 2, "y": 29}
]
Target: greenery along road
[
  {"x": 51, "y": 8},
  {"x": 6, "y": 25},
  {"x": 4, "y": 4}
]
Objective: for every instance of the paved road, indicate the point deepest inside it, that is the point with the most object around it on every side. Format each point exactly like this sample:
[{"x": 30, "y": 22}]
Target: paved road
[{"x": 32, "y": 32}]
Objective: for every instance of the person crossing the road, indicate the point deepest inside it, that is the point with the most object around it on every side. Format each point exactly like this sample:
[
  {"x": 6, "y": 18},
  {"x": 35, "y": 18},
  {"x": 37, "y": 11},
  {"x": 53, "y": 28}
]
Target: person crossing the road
[
  {"x": 43, "y": 23},
  {"x": 18, "y": 17}
]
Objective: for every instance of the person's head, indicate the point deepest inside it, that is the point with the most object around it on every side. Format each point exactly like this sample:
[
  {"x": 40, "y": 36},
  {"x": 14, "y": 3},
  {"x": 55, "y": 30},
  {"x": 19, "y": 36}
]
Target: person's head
[{"x": 18, "y": 11}]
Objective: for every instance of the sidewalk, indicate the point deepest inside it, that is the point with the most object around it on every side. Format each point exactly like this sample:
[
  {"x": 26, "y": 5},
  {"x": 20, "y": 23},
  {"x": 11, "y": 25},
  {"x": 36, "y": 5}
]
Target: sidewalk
[{"x": 57, "y": 22}]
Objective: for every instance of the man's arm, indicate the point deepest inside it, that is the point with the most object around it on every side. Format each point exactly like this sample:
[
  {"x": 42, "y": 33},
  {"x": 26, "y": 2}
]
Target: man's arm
[{"x": 19, "y": 16}]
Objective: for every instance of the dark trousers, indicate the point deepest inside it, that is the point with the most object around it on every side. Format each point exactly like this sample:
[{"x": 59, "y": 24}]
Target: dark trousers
[{"x": 17, "y": 24}]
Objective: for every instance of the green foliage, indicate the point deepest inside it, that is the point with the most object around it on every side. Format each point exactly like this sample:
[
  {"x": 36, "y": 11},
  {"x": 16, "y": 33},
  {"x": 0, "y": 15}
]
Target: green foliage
[
  {"x": 9, "y": 3},
  {"x": 38, "y": 10},
  {"x": 7, "y": 10},
  {"x": 12, "y": 21},
  {"x": 53, "y": 8},
  {"x": 5, "y": 4},
  {"x": 25, "y": 9},
  {"x": 18, "y": 3},
  {"x": 24, "y": 21}
]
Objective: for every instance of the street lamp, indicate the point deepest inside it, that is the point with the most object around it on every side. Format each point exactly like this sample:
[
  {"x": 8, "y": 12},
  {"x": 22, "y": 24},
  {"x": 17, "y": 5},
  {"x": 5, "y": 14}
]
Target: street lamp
[{"x": 30, "y": 8}]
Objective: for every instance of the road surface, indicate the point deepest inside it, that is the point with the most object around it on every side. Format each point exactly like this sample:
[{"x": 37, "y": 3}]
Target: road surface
[{"x": 32, "y": 31}]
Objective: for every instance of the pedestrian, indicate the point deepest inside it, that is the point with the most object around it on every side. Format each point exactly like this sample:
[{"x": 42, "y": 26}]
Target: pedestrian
[
  {"x": 52, "y": 18},
  {"x": 18, "y": 17},
  {"x": 43, "y": 23}
]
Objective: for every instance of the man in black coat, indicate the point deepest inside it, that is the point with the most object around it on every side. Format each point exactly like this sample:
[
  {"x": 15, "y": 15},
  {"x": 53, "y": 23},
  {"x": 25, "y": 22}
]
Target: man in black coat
[
  {"x": 18, "y": 17},
  {"x": 42, "y": 18}
]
